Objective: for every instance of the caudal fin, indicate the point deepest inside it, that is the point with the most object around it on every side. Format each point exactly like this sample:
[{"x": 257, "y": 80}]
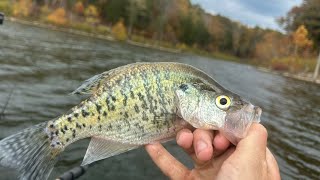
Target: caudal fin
[{"x": 29, "y": 152}]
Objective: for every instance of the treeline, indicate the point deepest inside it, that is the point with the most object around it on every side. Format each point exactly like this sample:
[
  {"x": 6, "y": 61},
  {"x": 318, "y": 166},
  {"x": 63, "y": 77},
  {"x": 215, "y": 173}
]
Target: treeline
[{"x": 180, "y": 24}]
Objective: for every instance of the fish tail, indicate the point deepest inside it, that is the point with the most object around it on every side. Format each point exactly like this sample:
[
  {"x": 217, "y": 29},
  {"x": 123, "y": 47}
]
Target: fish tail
[{"x": 30, "y": 153}]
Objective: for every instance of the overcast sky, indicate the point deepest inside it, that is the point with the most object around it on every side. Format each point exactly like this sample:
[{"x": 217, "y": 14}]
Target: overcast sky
[{"x": 250, "y": 12}]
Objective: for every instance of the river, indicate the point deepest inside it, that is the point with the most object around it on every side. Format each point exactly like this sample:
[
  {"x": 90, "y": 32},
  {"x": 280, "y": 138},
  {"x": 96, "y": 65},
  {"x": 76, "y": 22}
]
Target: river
[{"x": 40, "y": 67}]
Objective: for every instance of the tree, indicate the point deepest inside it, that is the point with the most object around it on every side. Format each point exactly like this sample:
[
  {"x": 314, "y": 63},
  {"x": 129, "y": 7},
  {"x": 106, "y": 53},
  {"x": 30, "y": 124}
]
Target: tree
[
  {"x": 58, "y": 17},
  {"x": 92, "y": 15},
  {"x": 119, "y": 31},
  {"x": 307, "y": 14},
  {"x": 300, "y": 39}
]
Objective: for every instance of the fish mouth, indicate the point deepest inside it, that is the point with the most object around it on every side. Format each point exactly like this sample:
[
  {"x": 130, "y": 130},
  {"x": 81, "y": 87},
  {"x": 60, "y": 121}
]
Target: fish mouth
[{"x": 237, "y": 123}]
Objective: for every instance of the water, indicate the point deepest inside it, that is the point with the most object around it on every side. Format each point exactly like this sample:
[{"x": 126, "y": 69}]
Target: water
[{"x": 40, "y": 67}]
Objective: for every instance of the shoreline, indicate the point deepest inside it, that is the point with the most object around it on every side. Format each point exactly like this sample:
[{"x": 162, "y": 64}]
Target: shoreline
[
  {"x": 87, "y": 34},
  {"x": 300, "y": 76}
]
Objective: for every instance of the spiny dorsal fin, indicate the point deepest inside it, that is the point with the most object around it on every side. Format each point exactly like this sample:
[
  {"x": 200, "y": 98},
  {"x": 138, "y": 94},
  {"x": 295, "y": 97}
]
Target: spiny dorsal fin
[
  {"x": 92, "y": 84},
  {"x": 101, "y": 148}
]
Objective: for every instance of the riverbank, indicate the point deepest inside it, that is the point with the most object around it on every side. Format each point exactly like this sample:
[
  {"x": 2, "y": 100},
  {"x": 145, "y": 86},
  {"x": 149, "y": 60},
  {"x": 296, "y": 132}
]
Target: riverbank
[
  {"x": 88, "y": 34},
  {"x": 300, "y": 76}
]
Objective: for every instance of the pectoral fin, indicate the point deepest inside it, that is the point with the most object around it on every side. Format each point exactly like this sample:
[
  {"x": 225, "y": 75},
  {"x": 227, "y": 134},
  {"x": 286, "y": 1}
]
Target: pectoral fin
[{"x": 100, "y": 148}]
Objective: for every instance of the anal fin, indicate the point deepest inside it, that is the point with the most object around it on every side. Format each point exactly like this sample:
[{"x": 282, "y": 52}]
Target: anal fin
[{"x": 101, "y": 148}]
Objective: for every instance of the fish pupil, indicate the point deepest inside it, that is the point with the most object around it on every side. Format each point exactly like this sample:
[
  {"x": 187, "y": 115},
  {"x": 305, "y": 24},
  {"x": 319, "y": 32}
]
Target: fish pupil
[{"x": 223, "y": 101}]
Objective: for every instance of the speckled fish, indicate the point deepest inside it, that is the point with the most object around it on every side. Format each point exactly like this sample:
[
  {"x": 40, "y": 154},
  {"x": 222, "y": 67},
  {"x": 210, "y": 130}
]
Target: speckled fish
[{"x": 130, "y": 106}]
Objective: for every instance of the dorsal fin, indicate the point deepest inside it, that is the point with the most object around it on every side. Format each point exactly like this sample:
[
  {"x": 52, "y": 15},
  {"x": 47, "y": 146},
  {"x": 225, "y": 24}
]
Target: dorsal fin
[{"x": 92, "y": 84}]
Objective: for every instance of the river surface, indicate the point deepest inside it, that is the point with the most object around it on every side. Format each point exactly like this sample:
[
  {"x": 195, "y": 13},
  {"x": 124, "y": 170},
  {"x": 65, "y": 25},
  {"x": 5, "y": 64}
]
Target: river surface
[{"x": 40, "y": 67}]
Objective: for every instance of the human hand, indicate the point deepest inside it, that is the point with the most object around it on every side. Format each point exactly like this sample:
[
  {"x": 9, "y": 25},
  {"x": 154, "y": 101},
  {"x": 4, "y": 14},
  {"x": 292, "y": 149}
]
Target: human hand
[{"x": 214, "y": 159}]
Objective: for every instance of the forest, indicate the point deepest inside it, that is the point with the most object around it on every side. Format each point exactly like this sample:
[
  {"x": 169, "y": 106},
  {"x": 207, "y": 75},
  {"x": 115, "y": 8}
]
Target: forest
[{"x": 179, "y": 24}]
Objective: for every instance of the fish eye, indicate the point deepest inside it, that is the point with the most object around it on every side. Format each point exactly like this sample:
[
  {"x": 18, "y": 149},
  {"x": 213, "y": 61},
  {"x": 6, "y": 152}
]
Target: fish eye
[{"x": 223, "y": 102}]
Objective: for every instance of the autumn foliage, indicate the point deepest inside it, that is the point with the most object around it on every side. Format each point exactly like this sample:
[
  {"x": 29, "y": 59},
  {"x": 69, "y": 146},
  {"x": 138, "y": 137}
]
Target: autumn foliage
[
  {"x": 79, "y": 8},
  {"x": 58, "y": 17},
  {"x": 22, "y": 8},
  {"x": 119, "y": 31}
]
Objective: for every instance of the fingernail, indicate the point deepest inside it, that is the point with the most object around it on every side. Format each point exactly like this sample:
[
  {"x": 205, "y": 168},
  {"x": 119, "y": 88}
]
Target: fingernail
[
  {"x": 201, "y": 145},
  {"x": 178, "y": 139}
]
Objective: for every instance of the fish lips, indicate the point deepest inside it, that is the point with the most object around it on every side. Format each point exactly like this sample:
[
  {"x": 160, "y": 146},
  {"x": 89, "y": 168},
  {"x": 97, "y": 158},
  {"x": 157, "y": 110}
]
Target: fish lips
[{"x": 238, "y": 122}]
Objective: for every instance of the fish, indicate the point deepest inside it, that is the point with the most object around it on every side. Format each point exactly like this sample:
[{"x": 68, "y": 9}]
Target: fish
[{"x": 128, "y": 107}]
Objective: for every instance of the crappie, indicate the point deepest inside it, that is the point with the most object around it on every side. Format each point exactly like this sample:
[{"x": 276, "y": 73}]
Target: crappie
[{"x": 130, "y": 106}]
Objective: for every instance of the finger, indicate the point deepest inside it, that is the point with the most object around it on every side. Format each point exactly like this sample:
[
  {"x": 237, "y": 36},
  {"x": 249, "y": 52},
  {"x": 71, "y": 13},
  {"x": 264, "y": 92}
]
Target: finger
[
  {"x": 166, "y": 162},
  {"x": 255, "y": 143},
  {"x": 220, "y": 144},
  {"x": 185, "y": 139},
  {"x": 273, "y": 168},
  {"x": 202, "y": 142}
]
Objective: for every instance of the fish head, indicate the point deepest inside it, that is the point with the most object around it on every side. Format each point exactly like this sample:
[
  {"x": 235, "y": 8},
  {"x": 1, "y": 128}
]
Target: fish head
[{"x": 221, "y": 110}]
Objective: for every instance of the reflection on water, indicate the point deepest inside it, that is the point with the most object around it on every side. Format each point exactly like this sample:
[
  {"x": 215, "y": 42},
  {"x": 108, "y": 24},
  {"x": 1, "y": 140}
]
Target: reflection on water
[{"x": 42, "y": 67}]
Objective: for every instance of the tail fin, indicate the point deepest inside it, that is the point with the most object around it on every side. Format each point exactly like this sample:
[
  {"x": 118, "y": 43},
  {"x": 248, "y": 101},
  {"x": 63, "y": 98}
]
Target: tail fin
[{"x": 30, "y": 153}]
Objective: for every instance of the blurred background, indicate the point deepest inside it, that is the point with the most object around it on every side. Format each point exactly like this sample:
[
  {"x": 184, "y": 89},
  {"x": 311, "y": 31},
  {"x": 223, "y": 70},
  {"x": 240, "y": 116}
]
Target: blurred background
[{"x": 264, "y": 51}]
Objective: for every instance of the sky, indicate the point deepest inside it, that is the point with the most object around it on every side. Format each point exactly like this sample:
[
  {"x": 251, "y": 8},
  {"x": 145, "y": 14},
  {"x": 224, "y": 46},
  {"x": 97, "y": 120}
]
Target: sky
[{"x": 250, "y": 12}]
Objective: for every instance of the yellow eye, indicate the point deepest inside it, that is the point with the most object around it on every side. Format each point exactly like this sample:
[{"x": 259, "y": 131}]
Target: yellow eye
[{"x": 223, "y": 102}]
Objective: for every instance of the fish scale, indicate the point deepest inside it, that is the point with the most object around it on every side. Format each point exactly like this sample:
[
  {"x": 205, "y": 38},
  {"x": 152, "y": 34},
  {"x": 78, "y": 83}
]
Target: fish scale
[
  {"x": 129, "y": 106},
  {"x": 141, "y": 95}
]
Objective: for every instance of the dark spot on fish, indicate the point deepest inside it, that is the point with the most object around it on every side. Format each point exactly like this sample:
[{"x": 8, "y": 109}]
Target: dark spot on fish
[
  {"x": 92, "y": 114},
  {"x": 98, "y": 118},
  {"x": 98, "y": 107},
  {"x": 76, "y": 115},
  {"x": 65, "y": 127},
  {"x": 132, "y": 94},
  {"x": 136, "y": 108},
  {"x": 74, "y": 135},
  {"x": 51, "y": 138},
  {"x": 78, "y": 125},
  {"x": 112, "y": 108},
  {"x": 74, "y": 131},
  {"x": 125, "y": 99},
  {"x": 84, "y": 125},
  {"x": 104, "y": 113},
  {"x": 144, "y": 117},
  {"x": 113, "y": 98},
  {"x": 69, "y": 119},
  {"x": 67, "y": 140},
  {"x": 52, "y": 133},
  {"x": 57, "y": 132},
  {"x": 90, "y": 127},
  {"x": 155, "y": 107},
  {"x": 140, "y": 96},
  {"x": 183, "y": 87},
  {"x": 126, "y": 115},
  {"x": 84, "y": 113},
  {"x": 144, "y": 106},
  {"x": 52, "y": 145},
  {"x": 120, "y": 113},
  {"x": 51, "y": 126},
  {"x": 100, "y": 127},
  {"x": 58, "y": 143}
]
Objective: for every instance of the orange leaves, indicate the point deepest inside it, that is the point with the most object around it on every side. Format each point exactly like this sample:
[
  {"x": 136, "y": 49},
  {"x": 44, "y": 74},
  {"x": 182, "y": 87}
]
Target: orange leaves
[
  {"x": 79, "y": 8},
  {"x": 58, "y": 17},
  {"x": 300, "y": 37},
  {"x": 21, "y": 8}
]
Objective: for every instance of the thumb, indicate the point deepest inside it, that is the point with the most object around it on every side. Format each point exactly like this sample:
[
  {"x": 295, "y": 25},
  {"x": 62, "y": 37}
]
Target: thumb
[{"x": 253, "y": 146}]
